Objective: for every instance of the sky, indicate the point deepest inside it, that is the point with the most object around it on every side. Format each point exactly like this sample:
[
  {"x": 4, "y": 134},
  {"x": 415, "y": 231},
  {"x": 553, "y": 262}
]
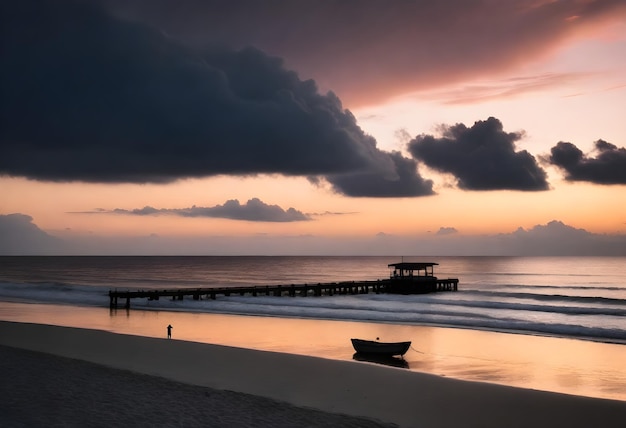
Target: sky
[{"x": 317, "y": 127}]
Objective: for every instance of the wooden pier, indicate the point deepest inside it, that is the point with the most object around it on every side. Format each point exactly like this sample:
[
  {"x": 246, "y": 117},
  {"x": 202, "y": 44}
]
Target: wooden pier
[{"x": 292, "y": 290}]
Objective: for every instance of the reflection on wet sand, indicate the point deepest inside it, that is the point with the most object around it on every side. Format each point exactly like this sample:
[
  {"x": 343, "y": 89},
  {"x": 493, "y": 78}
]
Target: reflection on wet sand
[{"x": 385, "y": 360}]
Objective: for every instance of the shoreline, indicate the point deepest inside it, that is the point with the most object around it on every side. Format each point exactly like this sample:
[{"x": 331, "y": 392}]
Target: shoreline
[
  {"x": 390, "y": 395},
  {"x": 424, "y": 324},
  {"x": 530, "y": 333},
  {"x": 570, "y": 366}
]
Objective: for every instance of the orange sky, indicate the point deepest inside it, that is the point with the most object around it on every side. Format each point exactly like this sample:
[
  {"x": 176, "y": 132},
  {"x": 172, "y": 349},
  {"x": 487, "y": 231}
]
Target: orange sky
[{"x": 564, "y": 83}]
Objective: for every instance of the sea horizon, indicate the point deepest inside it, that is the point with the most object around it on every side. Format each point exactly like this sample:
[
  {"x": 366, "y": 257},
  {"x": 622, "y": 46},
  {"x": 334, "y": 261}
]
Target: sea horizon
[
  {"x": 514, "y": 320},
  {"x": 578, "y": 297}
]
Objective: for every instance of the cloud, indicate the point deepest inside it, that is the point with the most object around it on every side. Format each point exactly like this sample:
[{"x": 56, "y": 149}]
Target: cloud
[
  {"x": 349, "y": 45},
  {"x": 333, "y": 213},
  {"x": 447, "y": 231},
  {"x": 552, "y": 239},
  {"x": 20, "y": 236},
  {"x": 482, "y": 157},
  {"x": 253, "y": 210},
  {"x": 371, "y": 184},
  {"x": 557, "y": 238},
  {"x": 607, "y": 167},
  {"x": 89, "y": 97},
  {"x": 503, "y": 89}
]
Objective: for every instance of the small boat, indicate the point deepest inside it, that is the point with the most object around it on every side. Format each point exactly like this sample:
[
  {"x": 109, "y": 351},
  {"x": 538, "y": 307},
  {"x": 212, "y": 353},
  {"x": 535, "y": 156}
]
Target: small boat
[{"x": 380, "y": 348}]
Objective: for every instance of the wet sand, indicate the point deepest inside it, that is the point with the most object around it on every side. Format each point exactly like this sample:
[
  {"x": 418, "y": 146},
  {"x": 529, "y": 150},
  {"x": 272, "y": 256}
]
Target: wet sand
[
  {"x": 273, "y": 384},
  {"x": 576, "y": 367}
]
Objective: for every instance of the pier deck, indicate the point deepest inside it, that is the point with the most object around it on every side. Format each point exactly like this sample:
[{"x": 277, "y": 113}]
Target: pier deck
[{"x": 292, "y": 290}]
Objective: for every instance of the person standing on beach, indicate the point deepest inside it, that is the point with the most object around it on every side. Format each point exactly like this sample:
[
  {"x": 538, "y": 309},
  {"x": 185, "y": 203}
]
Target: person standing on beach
[{"x": 169, "y": 331}]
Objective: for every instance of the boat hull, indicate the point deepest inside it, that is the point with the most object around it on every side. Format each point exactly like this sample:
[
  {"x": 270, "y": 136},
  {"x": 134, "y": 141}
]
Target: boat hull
[{"x": 370, "y": 347}]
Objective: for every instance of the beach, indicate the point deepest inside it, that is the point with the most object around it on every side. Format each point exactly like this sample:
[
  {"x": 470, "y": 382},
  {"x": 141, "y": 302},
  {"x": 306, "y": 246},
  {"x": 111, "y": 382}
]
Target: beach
[
  {"x": 377, "y": 394},
  {"x": 44, "y": 390}
]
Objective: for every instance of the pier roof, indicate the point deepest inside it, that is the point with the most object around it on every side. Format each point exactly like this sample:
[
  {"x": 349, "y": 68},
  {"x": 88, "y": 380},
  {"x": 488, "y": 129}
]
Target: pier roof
[{"x": 411, "y": 265}]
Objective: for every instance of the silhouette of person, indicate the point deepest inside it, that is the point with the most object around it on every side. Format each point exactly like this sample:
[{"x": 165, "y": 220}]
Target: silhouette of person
[{"x": 169, "y": 331}]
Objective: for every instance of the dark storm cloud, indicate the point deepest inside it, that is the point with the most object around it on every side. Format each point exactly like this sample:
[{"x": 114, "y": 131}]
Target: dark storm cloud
[
  {"x": 408, "y": 182},
  {"x": 253, "y": 210},
  {"x": 368, "y": 50},
  {"x": 89, "y": 97},
  {"x": 607, "y": 167},
  {"x": 482, "y": 157}
]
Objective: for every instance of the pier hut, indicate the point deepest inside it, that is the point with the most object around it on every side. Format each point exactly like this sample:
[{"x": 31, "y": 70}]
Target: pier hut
[{"x": 417, "y": 278}]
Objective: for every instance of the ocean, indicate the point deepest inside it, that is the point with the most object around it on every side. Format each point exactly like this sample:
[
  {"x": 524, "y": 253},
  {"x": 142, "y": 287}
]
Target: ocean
[
  {"x": 571, "y": 297},
  {"x": 550, "y": 323}
]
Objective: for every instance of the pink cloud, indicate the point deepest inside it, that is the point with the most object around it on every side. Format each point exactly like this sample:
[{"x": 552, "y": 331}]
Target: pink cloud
[{"x": 369, "y": 50}]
